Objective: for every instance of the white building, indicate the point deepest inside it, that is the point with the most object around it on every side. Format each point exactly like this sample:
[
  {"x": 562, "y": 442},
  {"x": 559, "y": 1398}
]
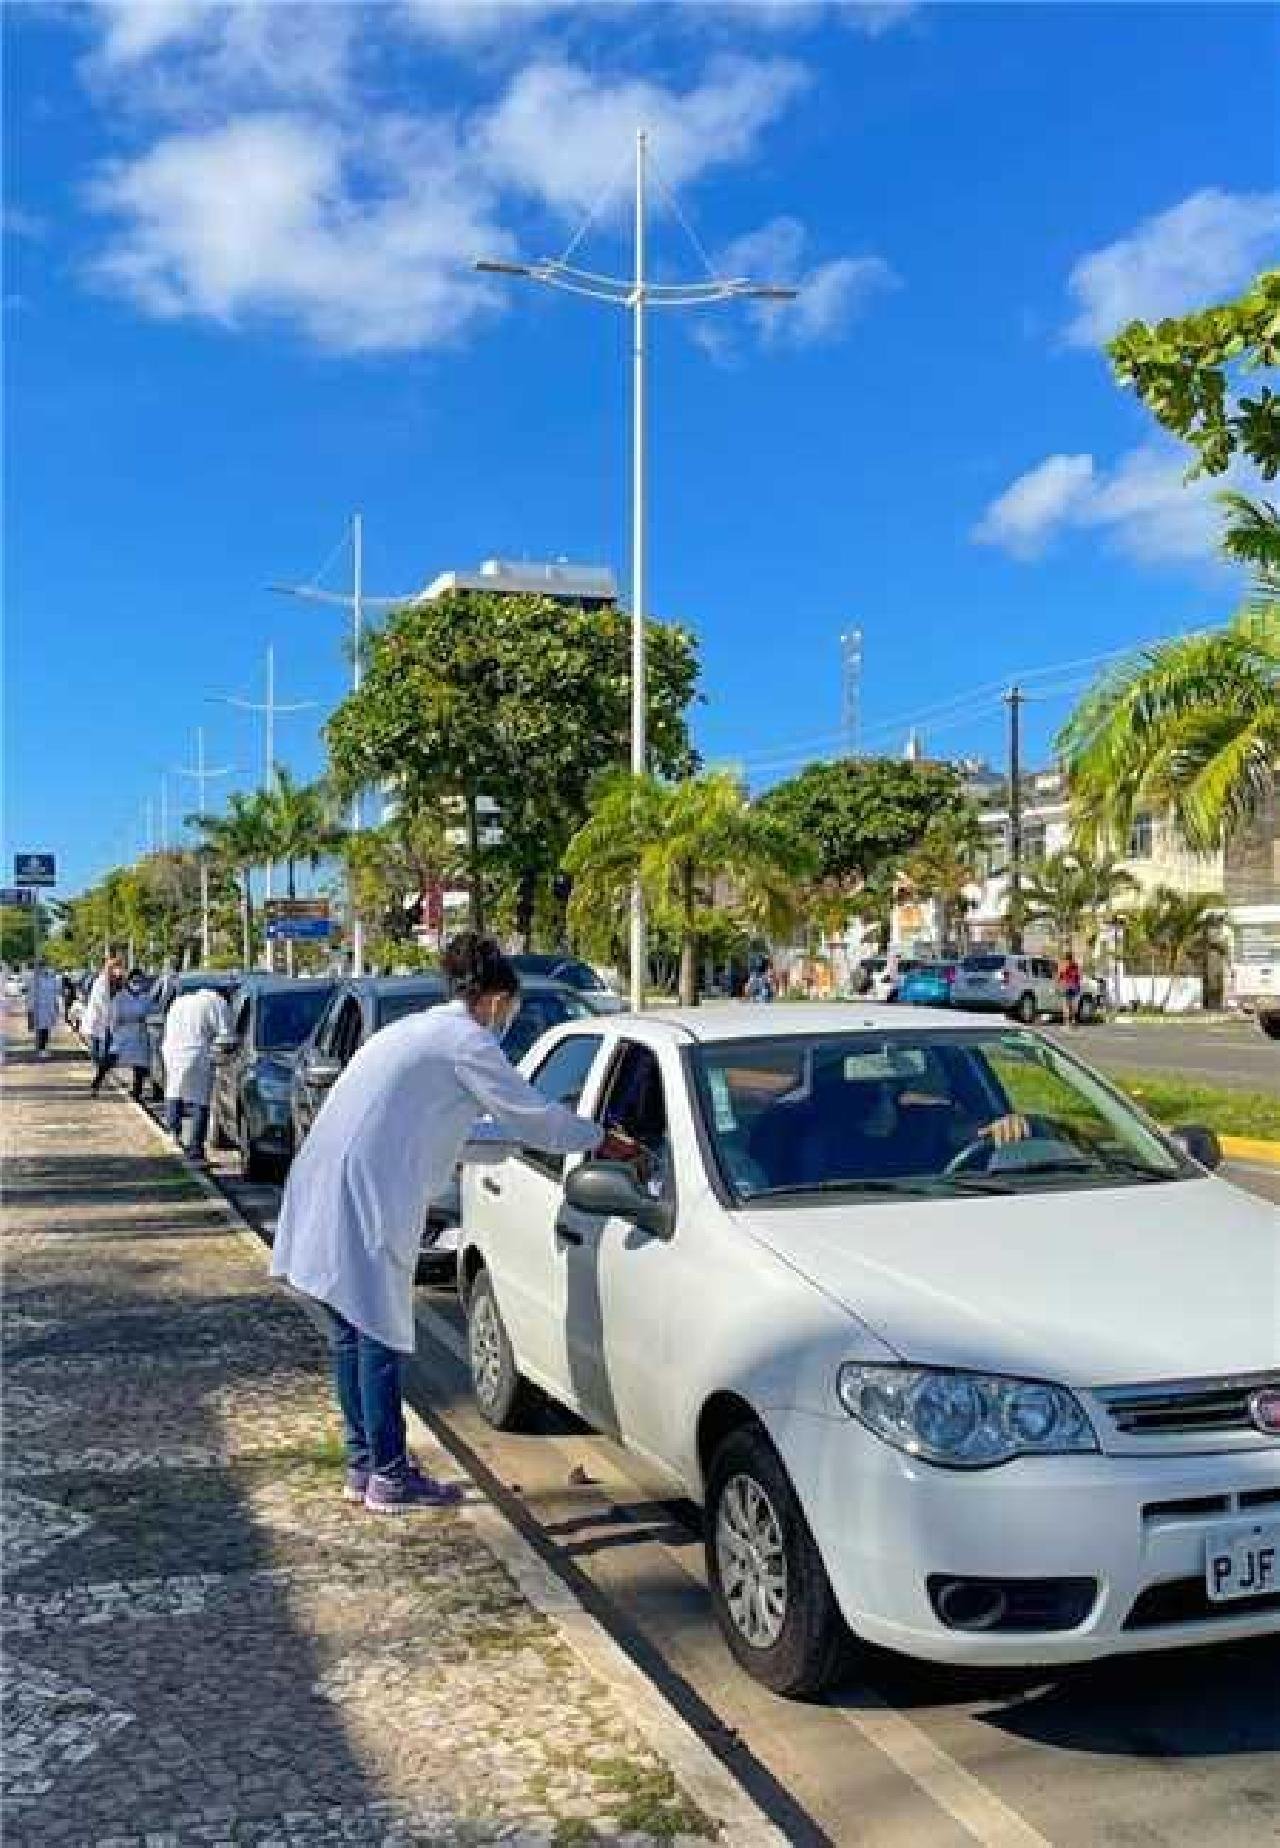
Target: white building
[{"x": 591, "y": 587}]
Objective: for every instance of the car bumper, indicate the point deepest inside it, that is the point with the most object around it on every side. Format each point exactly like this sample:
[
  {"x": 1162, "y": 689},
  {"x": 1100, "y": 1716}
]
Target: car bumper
[{"x": 886, "y": 1524}]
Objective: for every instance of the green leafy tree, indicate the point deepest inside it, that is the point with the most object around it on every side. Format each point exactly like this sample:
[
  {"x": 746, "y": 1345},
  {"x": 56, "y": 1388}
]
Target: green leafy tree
[
  {"x": 390, "y": 867},
  {"x": 688, "y": 843},
  {"x": 523, "y": 699},
  {"x": 302, "y": 821},
  {"x": 18, "y": 932},
  {"x": 1190, "y": 373},
  {"x": 942, "y": 866}
]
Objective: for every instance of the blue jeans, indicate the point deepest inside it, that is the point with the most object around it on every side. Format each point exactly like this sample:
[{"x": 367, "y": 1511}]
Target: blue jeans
[
  {"x": 366, "y": 1378},
  {"x": 173, "y": 1111}
]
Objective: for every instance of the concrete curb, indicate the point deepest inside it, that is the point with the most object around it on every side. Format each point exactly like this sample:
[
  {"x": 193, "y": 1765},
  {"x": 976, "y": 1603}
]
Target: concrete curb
[
  {"x": 705, "y": 1779},
  {"x": 1251, "y": 1148}
]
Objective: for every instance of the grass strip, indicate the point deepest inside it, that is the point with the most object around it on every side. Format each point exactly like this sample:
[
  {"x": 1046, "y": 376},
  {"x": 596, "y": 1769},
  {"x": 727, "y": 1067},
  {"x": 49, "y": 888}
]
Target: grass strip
[{"x": 1173, "y": 1100}]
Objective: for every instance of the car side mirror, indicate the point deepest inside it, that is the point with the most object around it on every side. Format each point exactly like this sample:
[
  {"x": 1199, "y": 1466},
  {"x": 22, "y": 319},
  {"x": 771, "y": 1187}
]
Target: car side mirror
[
  {"x": 1199, "y": 1143},
  {"x": 323, "y": 1071},
  {"x": 610, "y": 1190}
]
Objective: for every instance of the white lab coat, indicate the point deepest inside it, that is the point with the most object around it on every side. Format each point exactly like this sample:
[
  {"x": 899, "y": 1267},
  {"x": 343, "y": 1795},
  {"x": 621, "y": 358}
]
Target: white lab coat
[
  {"x": 43, "y": 1005},
  {"x": 385, "y": 1144},
  {"x": 192, "y": 1024},
  {"x": 96, "y": 1018},
  {"x": 129, "y": 1041}
]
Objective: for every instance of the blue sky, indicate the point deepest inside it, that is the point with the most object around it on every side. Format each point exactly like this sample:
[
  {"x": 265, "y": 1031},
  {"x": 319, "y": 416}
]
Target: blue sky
[{"x": 239, "y": 305}]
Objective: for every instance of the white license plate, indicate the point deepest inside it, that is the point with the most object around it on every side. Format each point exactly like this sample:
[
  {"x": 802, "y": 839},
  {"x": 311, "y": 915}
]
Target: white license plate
[{"x": 1242, "y": 1562}]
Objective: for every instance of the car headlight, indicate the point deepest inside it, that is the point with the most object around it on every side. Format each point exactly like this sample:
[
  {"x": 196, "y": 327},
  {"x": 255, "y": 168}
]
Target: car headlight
[
  {"x": 964, "y": 1420},
  {"x": 273, "y": 1090}
]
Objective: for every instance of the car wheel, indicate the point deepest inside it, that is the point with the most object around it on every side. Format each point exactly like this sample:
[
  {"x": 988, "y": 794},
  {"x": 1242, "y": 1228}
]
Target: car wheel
[
  {"x": 770, "y": 1589},
  {"x": 254, "y": 1165},
  {"x": 505, "y": 1398},
  {"x": 1024, "y": 1009}
]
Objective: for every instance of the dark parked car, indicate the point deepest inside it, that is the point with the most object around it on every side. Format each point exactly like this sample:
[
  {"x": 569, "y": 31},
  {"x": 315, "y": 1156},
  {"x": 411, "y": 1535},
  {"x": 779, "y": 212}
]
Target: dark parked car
[
  {"x": 570, "y": 972},
  {"x": 270, "y": 1018},
  {"x": 362, "y": 1007},
  {"x": 223, "y": 982}
]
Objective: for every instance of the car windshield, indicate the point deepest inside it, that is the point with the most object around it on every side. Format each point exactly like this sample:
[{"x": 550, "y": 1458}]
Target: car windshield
[
  {"x": 285, "y": 1019},
  {"x": 982, "y": 965},
  {"x": 922, "y": 1113},
  {"x": 407, "y": 1001}
]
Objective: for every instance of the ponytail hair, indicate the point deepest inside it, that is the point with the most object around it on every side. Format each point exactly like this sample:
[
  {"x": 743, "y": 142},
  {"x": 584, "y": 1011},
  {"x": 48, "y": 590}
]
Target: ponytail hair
[{"x": 475, "y": 966}]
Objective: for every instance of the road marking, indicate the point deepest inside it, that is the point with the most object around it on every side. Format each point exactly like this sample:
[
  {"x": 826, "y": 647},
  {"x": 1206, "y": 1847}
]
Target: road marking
[{"x": 938, "y": 1776}]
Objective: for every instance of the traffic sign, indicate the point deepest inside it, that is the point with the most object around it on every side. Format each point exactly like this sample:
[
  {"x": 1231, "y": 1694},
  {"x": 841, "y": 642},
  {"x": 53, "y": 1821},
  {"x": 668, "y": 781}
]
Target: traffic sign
[
  {"x": 34, "y": 869},
  {"x": 17, "y": 895},
  {"x": 299, "y": 930},
  {"x": 297, "y": 908}
]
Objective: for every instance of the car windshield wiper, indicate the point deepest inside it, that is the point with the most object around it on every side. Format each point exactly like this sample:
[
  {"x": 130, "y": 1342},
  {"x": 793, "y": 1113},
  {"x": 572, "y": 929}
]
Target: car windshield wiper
[{"x": 926, "y": 1188}]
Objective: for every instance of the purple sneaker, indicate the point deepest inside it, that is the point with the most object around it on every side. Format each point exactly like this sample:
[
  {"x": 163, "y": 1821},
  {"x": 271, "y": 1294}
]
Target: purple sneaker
[
  {"x": 354, "y": 1484},
  {"x": 410, "y": 1489}
]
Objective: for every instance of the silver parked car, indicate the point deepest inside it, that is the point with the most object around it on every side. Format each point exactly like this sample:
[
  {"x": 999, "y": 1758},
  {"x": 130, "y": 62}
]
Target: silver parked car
[{"x": 997, "y": 981}]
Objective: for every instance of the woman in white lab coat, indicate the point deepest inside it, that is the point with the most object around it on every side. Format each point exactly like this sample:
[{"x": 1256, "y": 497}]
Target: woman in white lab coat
[
  {"x": 95, "y": 1022},
  {"x": 130, "y": 1046},
  {"x": 385, "y": 1143},
  {"x": 42, "y": 1008},
  {"x": 194, "y": 1021}
]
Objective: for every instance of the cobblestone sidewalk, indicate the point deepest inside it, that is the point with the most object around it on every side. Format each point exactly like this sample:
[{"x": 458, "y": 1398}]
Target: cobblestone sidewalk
[{"x": 204, "y": 1645}]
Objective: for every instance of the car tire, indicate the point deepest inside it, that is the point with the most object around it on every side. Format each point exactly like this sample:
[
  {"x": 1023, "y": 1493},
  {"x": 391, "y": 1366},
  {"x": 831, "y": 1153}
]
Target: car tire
[
  {"x": 1270, "y": 1024},
  {"x": 254, "y": 1165},
  {"x": 799, "y": 1643},
  {"x": 505, "y": 1399},
  {"x": 1024, "y": 1009}
]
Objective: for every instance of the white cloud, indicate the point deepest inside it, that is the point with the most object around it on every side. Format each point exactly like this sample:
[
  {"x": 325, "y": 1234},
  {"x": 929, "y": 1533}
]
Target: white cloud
[
  {"x": 362, "y": 244},
  {"x": 1200, "y": 251},
  {"x": 830, "y": 293},
  {"x": 1142, "y": 505},
  {"x": 562, "y": 132},
  {"x": 192, "y": 58}
]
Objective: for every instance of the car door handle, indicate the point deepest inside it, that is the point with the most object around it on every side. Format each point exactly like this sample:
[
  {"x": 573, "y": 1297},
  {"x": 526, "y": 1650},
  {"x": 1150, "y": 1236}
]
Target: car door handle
[{"x": 491, "y": 1186}]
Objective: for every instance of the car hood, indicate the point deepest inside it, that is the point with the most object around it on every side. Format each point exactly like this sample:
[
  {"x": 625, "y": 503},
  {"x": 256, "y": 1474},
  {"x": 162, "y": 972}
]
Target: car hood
[{"x": 1156, "y": 1281}]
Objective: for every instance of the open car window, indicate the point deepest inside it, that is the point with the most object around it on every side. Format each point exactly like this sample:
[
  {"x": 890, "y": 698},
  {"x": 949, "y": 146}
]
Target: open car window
[
  {"x": 915, "y": 1113},
  {"x": 562, "y": 1076}
]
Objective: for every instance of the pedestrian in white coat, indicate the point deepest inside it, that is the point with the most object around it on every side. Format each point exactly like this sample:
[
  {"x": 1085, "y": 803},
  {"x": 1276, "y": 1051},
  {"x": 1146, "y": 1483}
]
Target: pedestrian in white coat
[
  {"x": 194, "y": 1021},
  {"x": 42, "y": 1008},
  {"x": 95, "y": 1022},
  {"x": 385, "y": 1143},
  {"x": 130, "y": 1047}
]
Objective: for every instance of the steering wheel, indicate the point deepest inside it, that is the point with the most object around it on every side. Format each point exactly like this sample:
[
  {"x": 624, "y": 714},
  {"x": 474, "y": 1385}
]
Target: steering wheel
[
  {"x": 967, "y": 1158},
  {"x": 1042, "y": 1130}
]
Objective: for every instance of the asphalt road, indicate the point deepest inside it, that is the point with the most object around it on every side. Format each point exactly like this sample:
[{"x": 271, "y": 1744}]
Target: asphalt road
[
  {"x": 1178, "y": 1748},
  {"x": 1233, "y": 1053}
]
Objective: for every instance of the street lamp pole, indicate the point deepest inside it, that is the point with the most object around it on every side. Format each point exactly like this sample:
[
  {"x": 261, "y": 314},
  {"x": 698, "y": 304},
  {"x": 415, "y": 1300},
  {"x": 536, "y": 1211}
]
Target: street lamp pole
[
  {"x": 638, "y": 294},
  {"x": 356, "y": 602},
  {"x": 202, "y": 775}
]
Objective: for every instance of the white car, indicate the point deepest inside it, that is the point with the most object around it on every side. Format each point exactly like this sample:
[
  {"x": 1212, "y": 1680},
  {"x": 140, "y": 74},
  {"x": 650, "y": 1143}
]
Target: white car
[{"x": 958, "y": 1352}]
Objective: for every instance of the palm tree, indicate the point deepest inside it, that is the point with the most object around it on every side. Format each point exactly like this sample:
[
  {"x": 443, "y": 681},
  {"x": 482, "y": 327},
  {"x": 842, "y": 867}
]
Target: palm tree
[
  {"x": 1171, "y": 925},
  {"x": 237, "y": 842},
  {"x": 300, "y": 817},
  {"x": 680, "y": 840},
  {"x": 1075, "y": 893}
]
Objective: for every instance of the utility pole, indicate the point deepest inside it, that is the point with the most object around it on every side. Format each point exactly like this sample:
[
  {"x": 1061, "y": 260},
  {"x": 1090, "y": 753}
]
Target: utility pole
[
  {"x": 202, "y": 775},
  {"x": 164, "y": 813},
  {"x": 269, "y": 708},
  {"x": 1014, "y": 700},
  {"x": 356, "y": 601},
  {"x": 638, "y": 294}
]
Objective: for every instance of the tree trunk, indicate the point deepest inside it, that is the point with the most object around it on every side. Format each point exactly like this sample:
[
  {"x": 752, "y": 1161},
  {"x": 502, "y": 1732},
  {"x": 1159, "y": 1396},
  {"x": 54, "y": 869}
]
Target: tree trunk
[
  {"x": 525, "y": 903},
  {"x": 246, "y": 920},
  {"x": 473, "y": 865},
  {"x": 291, "y": 888},
  {"x": 688, "y": 941}
]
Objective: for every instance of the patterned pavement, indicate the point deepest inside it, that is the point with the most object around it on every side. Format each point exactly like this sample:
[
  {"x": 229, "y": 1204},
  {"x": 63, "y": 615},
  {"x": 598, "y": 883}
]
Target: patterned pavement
[{"x": 204, "y": 1645}]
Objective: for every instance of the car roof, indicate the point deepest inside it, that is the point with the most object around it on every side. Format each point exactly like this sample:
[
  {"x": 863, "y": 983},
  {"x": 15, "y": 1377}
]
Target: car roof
[
  {"x": 263, "y": 984},
  {"x": 208, "y": 978},
  {"x": 746, "y": 1020}
]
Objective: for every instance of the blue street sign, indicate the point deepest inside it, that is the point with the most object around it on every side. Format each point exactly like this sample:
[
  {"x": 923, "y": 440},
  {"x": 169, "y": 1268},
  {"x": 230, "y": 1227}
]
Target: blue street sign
[
  {"x": 21, "y": 896},
  {"x": 301, "y": 930},
  {"x": 34, "y": 869}
]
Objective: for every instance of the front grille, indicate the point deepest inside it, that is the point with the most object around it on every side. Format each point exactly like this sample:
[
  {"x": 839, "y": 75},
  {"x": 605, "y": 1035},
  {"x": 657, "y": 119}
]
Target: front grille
[
  {"x": 1185, "y": 1408},
  {"x": 1185, "y": 1600}
]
